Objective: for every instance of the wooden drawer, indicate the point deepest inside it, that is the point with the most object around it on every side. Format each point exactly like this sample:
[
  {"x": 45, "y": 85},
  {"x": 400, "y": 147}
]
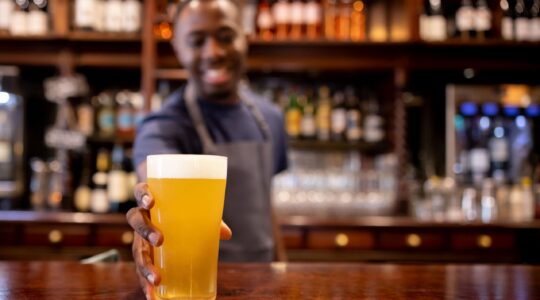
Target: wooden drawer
[
  {"x": 483, "y": 240},
  {"x": 8, "y": 232},
  {"x": 61, "y": 235},
  {"x": 292, "y": 238},
  {"x": 114, "y": 236},
  {"x": 336, "y": 239},
  {"x": 410, "y": 240}
]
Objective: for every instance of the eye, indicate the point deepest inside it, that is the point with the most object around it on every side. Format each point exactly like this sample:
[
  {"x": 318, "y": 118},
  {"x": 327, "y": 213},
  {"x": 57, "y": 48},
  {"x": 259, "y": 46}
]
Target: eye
[
  {"x": 226, "y": 37},
  {"x": 195, "y": 41}
]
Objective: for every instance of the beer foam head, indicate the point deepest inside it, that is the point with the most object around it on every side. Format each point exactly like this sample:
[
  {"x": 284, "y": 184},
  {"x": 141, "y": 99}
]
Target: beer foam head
[{"x": 186, "y": 166}]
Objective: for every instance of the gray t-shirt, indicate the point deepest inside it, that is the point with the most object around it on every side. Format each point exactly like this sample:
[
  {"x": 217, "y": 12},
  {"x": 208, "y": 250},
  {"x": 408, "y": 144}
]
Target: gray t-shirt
[{"x": 170, "y": 130}]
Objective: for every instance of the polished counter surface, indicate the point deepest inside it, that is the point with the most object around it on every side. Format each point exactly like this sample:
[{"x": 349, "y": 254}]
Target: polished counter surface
[{"x": 71, "y": 280}]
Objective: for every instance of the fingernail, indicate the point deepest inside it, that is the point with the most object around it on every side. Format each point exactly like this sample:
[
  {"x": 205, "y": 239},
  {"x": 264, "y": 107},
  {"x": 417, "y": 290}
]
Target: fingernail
[
  {"x": 151, "y": 278},
  {"x": 146, "y": 200},
  {"x": 153, "y": 237}
]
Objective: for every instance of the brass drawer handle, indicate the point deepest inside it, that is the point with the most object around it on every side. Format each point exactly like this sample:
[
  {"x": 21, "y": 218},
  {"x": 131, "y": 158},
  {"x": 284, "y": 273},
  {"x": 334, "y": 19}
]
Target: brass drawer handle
[
  {"x": 127, "y": 237},
  {"x": 484, "y": 241},
  {"x": 341, "y": 240},
  {"x": 413, "y": 240},
  {"x": 55, "y": 236}
]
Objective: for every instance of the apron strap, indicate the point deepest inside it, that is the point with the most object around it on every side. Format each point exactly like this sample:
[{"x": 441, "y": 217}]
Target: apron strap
[{"x": 198, "y": 120}]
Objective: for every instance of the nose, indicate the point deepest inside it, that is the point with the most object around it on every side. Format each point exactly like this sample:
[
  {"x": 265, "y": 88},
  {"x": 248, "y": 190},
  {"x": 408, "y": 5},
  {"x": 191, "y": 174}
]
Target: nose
[{"x": 212, "y": 49}]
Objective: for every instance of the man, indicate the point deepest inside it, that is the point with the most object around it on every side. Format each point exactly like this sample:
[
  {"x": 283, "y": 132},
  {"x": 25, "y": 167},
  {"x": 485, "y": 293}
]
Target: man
[{"x": 214, "y": 114}]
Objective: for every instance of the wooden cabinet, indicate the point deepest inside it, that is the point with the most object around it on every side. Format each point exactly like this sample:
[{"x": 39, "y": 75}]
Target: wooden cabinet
[{"x": 395, "y": 239}]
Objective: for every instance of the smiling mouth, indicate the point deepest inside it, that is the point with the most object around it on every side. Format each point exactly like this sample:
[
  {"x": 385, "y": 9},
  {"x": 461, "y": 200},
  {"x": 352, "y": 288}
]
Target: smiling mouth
[{"x": 216, "y": 76}]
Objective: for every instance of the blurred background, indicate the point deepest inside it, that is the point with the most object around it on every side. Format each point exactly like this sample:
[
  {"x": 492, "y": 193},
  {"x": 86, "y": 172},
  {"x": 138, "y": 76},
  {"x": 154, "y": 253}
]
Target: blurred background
[{"x": 413, "y": 125}]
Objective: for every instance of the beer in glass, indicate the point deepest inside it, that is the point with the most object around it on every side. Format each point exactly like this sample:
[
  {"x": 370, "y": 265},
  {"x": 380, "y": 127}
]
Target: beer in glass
[{"x": 189, "y": 191}]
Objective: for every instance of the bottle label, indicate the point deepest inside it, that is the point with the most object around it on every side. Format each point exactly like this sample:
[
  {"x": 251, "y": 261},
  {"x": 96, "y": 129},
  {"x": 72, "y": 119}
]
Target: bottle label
[
  {"x": 535, "y": 29},
  {"x": 425, "y": 27},
  {"x": 308, "y": 127},
  {"x": 437, "y": 28},
  {"x": 113, "y": 16},
  {"x": 339, "y": 120},
  {"x": 479, "y": 160},
  {"x": 37, "y": 22},
  {"x": 507, "y": 28},
  {"x": 465, "y": 18},
  {"x": 522, "y": 29},
  {"x": 6, "y": 10},
  {"x": 84, "y": 13},
  {"x": 5, "y": 152},
  {"x": 19, "y": 23},
  {"x": 117, "y": 186},
  {"x": 499, "y": 150},
  {"x": 483, "y": 19},
  {"x": 297, "y": 12},
  {"x": 281, "y": 12},
  {"x": 125, "y": 121},
  {"x": 248, "y": 20},
  {"x": 106, "y": 121},
  {"x": 131, "y": 17},
  {"x": 294, "y": 117},
  {"x": 312, "y": 13},
  {"x": 265, "y": 21}
]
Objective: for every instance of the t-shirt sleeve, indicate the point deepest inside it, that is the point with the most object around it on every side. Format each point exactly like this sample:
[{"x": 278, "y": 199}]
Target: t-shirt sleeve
[{"x": 155, "y": 136}]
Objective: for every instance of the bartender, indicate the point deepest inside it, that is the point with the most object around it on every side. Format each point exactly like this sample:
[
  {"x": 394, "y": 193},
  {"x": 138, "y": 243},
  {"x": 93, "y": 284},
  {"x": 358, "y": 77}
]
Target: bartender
[{"x": 214, "y": 113}]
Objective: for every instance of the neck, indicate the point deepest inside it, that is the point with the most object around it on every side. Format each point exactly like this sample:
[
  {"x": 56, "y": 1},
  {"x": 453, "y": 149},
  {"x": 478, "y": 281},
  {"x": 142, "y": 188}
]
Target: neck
[{"x": 227, "y": 98}]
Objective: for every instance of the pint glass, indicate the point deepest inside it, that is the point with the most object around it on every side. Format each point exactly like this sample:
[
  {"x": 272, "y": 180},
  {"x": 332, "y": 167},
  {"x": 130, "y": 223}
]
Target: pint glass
[{"x": 189, "y": 191}]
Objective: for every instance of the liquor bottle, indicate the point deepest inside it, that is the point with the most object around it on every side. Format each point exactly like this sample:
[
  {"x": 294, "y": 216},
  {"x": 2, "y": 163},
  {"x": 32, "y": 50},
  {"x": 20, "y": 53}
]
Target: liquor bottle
[
  {"x": 296, "y": 19},
  {"x": 465, "y": 19},
  {"x": 499, "y": 147},
  {"x": 85, "y": 118},
  {"x": 479, "y": 163},
  {"x": 482, "y": 19},
  {"x": 99, "y": 202},
  {"x": 373, "y": 129},
  {"x": 522, "y": 22},
  {"x": 137, "y": 101},
  {"x": 507, "y": 21},
  {"x": 131, "y": 16},
  {"x": 19, "y": 23},
  {"x": 55, "y": 188},
  {"x": 324, "y": 110},
  {"x": 6, "y": 146},
  {"x": 265, "y": 21},
  {"x": 105, "y": 117},
  {"x": 124, "y": 115},
  {"x": 338, "y": 117},
  {"x": 313, "y": 19},
  {"x": 488, "y": 204},
  {"x": 84, "y": 14},
  {"x": 308, "y": 126},
  {"x": 117, "y": 183},
  {"x": 38, "y": 23},
  {"x": 281, "y": 13},
  {"x": 83, "y": 193},
  {"x": 293, "y": 116},
  {"x": 98, "y": 24},
  {"x": 536, "y": 188},
  {"x": 38, "y": 184},
  {"x": 437, "y": 21},
  {"x": 528, "y": 206},
  {"x": 331, "y": 14},
  {"x": 6, "y": 11},
  {"x": 358, "y": 21},
  {"x": 249, "y": 14},
  {"x": 113, "y": 15},
  {"x": 343, "y": 27},
  {"x": 353, "y": 131},
  {"x": 535, "y": 21}
]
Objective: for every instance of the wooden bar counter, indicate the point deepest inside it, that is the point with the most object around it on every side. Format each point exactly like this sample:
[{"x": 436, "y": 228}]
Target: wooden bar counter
[{"x": 71, "y": 280}]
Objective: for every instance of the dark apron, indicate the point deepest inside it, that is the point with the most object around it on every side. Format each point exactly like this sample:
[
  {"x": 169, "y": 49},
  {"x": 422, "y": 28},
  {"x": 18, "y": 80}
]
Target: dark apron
[{"x": 247, "y": 208}]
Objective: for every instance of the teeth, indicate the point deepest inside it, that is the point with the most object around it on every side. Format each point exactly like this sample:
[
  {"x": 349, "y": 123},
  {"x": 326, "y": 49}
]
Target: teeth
[{"x": 213, "y": 73}]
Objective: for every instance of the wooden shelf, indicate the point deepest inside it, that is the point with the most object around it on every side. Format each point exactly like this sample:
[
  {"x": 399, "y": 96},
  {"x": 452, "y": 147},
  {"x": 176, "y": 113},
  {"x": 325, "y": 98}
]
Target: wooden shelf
[
  {"x": 314, "y": 145},
  {"x": 101, "y": 139},
  {"x": 104, "y": 36}
]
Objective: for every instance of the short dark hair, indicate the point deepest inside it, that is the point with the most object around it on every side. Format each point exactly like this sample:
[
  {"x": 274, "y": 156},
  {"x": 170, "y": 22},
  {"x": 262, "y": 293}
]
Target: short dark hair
[{"x": 182, "y": 3}]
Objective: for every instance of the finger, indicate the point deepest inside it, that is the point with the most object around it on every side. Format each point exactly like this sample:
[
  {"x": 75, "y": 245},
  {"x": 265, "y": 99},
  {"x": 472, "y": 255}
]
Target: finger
[
  {"x": 138, "y": 219},
  {"x": 143, "y": 196},
  {"x": 143, "y": 261},
  {"x": 225, "y": 232}
]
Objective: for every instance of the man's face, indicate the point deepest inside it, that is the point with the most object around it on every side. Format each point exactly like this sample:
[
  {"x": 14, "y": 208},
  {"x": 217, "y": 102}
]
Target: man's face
[{"x": 211, "y": 46}]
